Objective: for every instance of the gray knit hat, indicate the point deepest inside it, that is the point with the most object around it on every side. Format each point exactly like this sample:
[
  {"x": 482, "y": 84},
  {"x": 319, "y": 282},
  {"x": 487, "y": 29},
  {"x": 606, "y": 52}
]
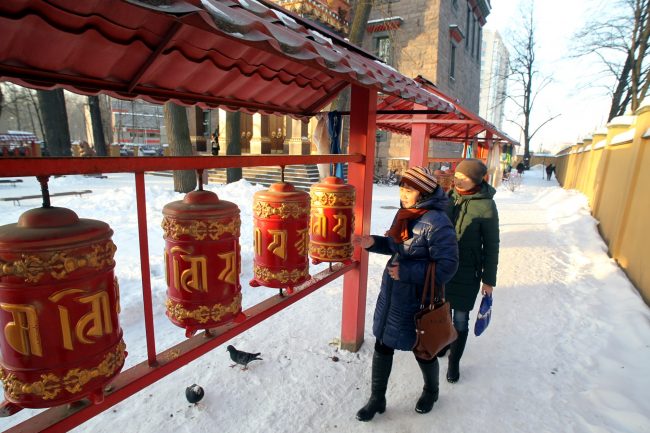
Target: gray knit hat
[{"x": 474, "y": 169}]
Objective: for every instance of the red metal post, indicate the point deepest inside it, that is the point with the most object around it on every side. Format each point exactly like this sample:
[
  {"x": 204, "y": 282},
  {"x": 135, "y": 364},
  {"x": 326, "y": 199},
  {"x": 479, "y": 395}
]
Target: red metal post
[
  {"x": 144, "y": 267},
  {"x": 360, "y": 174},
  {"x": 419, "y": 139}
]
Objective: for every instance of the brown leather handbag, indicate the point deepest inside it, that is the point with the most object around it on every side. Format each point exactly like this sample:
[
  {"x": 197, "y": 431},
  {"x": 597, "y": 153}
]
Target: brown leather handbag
[{"x": 433, "y": 323}]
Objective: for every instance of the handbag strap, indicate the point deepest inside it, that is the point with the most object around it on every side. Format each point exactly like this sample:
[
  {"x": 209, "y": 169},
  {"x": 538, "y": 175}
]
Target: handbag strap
[{"x": 436, "y": 293}]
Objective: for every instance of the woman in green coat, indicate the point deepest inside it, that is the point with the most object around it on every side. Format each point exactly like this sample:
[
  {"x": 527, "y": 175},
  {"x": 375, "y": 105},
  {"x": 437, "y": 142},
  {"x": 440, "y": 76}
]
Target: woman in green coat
[{"x": 474, "y": 214}]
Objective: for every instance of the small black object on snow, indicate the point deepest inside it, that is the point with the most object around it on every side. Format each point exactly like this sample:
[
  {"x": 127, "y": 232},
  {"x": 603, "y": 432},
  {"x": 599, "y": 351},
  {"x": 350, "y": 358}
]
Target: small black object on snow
[{"x": 194, "y": 393}]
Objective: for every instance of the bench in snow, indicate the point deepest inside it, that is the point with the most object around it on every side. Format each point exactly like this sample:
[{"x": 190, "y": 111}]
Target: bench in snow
[
  {"x": 11, "y": 182},
  {"x": 17, "y": 200}
]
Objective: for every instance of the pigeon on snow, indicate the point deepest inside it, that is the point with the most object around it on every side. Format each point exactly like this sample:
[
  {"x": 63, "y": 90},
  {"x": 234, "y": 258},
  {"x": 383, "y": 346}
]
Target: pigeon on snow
[
  {"x": 194, "y": 393},
  {"x": 241, "y": 357}
]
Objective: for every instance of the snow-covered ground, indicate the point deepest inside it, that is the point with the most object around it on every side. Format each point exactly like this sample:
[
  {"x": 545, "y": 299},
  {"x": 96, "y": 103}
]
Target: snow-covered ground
[{"x": 568, "y": 349}]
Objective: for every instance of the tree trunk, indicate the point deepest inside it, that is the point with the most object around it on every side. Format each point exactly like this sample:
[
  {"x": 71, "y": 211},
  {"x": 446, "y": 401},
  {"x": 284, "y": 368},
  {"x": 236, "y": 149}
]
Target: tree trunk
[
  {"x": 178, "y": 134},
  {"x": 617, "y": 107},
  {"x": 55, "y": 121},
  {"x": 17, "y": 110},
  {"x": 233, "y": 143},
  {"x": 361, "y": 13},
  {"x": 97, "y": 126},
  {"x": 38, "y": 114}
]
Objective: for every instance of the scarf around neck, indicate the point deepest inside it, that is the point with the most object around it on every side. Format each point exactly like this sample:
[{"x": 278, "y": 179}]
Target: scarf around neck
[
  {"x": 474, "y": 190},
  {"x": 399, "y": 229}
]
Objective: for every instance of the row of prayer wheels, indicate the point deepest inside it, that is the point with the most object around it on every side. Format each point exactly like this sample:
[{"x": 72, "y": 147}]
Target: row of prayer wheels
[{"x": 59, "y": 297}]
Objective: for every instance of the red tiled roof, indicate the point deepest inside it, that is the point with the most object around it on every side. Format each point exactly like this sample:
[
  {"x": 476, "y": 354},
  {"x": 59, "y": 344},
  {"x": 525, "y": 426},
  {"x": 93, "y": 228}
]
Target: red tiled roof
[
  {"x": 234, "y": 54},
  {"x": 459, "y": 125}
]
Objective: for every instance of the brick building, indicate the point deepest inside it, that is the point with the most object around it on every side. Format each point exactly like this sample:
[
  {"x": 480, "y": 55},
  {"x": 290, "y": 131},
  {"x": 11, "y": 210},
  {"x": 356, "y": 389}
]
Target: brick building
[{"x": 437, "y": 39}]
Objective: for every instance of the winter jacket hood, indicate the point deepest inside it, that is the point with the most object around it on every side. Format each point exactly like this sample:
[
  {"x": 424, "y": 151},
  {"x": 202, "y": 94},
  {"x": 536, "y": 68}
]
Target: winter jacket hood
[{"x": 434, "y": 201}]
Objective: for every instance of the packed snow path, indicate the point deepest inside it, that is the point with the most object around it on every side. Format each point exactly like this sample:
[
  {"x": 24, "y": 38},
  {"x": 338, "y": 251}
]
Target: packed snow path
[{"x": 568, "y": 348}]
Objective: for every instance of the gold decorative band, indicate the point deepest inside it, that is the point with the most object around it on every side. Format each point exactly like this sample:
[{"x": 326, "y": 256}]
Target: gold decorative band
[
  {"x": 331, "y": 199},
  {"x": 59, "y": 264},
  {"x": 197, "y": 229},
  {"x": 295, "y": 275},
  {"x": 203, "y": 314},
  {"x": 73, "y": 381},
  {"x": 284, "y": 211},
  {"x": 331, "y": 252}
]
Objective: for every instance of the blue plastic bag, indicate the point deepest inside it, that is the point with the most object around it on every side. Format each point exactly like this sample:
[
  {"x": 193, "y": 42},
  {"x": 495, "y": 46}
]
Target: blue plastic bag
[{"x": 484, "y": 315}]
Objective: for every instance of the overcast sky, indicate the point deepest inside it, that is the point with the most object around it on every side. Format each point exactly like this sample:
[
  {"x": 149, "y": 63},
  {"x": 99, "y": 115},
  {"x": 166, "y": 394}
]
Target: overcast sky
[{"x": 583, "y": 107}]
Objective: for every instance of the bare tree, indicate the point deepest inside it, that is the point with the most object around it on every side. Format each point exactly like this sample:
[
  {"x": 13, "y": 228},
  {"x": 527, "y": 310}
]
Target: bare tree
[
  {"x": 178, "y": 134},
  {"x": 619, "y": 40},
  {"x": 361, "y": 12},
  {"x": 97, "y": 126},
  {"x": 233, "y": 143},
  {"x": 55, "y": 120},
  {"x": 34, "y": 104},
  {"x": 17, "y": 98},
  {"x": 528, "y": 82}
]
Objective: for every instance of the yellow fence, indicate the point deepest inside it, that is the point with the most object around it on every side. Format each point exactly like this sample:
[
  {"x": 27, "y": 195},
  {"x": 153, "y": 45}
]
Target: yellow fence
[{"x": 612, "y": 169}]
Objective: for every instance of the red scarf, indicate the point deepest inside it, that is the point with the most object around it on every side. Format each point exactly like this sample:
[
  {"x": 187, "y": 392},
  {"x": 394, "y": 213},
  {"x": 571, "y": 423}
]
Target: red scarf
[
  {"x": 399, "y": 230},
  {"x": 474, "y": 190}
]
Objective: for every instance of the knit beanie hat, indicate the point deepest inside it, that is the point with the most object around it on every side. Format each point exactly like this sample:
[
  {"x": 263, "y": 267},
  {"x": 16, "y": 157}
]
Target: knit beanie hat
[
  {"x": 474, "y": 169},
  {"x": 420, "y": 178}
]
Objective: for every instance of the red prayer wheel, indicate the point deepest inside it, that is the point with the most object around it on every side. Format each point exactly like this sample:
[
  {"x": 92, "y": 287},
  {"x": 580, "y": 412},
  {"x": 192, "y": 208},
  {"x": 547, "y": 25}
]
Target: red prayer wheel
[
  {"x": 331, "y": 223},
  {"x": 280, "y": 237},
  {"x": 202, "y": 261},
  {"x": 59, "y": 305}
]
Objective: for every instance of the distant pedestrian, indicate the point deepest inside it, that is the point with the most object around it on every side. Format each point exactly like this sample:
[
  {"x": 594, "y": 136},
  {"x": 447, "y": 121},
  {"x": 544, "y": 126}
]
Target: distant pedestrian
[
  {"x": 520, "y": 168},
  {"x": 86, "y": 150},
  {"x": 214, "y": 141},
  {"x": 549, "y": 171}
]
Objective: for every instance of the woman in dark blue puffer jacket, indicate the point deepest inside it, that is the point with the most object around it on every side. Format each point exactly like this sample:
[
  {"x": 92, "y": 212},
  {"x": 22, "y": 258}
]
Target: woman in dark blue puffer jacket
[{"x": 421, "y": 232}]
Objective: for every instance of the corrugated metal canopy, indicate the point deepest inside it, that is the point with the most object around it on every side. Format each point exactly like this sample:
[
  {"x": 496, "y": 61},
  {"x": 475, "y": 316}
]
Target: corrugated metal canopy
[
  {"x": 459, "y": 125},
  {"x": 235, "y": 54}
]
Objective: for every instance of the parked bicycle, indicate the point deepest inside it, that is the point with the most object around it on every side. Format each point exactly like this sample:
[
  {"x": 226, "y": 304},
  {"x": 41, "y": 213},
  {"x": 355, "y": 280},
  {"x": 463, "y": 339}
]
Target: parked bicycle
[
  {"x": 511, "y": 181},
  {"x": 388, "y": 179}
]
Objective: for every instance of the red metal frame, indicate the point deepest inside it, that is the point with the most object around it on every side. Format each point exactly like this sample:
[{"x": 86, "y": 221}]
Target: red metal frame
[
  {"x": 419, "y": 139},
  {"x": 362, "y": 140},
  {"x": 13, "y": 167},
  {"x": 158, "y": 365},
  {"x": 144, "y": 266}
]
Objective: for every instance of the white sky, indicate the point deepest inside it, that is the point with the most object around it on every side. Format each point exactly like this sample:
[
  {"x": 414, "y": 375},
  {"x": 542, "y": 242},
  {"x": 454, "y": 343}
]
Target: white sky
[
  {"x": 583, "y": 109},
  {"x": 559, "y": 355}
]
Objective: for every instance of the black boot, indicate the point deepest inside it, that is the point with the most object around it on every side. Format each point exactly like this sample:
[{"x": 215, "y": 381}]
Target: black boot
[
  {"x": 455, "y": 353},
  {"x": 430, "y": 371},
  {"x": 381, "y": 366}
]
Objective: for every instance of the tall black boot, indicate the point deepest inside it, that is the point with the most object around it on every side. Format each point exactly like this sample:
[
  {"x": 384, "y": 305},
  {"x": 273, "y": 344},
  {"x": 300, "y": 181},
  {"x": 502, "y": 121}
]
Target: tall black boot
[
  {"x": 430, "y": 371},
  {"x": 381, "y": 367},
  {"x": 455, "y": 353}
]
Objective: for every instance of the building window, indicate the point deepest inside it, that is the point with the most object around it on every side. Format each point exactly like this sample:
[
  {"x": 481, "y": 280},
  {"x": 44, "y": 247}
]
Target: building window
[
  {"x": 478, "y": 44},
  {"x": 382, "y": 48},
  {"x": 452, "y": 63},
  {"x": 467, "y": 32}
]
